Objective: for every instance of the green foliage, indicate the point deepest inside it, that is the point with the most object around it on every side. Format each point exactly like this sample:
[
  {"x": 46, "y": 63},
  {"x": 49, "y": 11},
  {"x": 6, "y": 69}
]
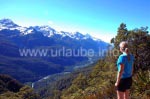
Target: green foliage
[
  {"x": 24, "y": 93},
  {"x": 9, "y": 84},
  {"x": 12, "y": 89},
  {"x": 141, "y": 85},
  {"x": 121, "y": 35},
  {"x": 27, "y": 93},
  {"x": 80, "y": 81},
  {"x": 98, "y": 83}
]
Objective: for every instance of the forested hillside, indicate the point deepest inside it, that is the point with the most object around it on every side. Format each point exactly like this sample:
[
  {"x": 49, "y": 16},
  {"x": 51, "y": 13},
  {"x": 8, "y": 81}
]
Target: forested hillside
[
  {"x": 99, "y": 83},
  {"x": 12, "y": 89}
]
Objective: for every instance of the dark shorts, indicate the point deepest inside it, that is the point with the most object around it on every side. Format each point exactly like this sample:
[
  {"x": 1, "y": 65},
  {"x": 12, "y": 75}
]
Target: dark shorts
[{"x": 124, "y": 84}]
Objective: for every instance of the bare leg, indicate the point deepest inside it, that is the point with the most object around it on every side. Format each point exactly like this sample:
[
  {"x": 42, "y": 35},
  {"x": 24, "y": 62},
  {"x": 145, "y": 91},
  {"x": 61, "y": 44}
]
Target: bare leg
[
  {"x": 120, "y": 95},
  {"x": 126, "y": 95}
]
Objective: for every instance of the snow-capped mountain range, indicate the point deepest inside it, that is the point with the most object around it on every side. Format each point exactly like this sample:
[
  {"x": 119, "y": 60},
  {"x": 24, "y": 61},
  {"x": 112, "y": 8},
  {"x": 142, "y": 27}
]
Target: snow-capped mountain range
[
  {"x": 46, "y": 30},
  {"x": 32, "y": 68}
]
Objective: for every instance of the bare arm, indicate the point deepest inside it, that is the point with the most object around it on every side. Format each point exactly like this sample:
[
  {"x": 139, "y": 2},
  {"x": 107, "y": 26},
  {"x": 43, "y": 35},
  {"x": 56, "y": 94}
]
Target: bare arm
[{"x": 119, "y": 74}]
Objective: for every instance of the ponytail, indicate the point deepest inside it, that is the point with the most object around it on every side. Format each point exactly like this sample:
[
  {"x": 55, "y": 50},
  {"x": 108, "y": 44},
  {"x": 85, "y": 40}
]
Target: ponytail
[
  {"x": 124, "y": 46},
  {"x": 127, "y": 51}
]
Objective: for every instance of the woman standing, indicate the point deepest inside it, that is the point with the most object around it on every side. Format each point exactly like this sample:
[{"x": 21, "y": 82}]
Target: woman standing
[{"x": 125, "y": 70}]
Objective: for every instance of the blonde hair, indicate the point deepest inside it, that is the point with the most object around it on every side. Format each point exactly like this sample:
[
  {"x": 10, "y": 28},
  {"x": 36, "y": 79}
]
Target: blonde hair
[{"x": 124, "y": 46}]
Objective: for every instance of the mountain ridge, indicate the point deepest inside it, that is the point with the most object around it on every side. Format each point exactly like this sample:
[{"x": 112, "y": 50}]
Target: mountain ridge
[{"x": 45, "y": 29}]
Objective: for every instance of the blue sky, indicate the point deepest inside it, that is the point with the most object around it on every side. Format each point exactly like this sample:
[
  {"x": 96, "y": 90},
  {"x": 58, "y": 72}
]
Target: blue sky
[{"x": 100, "y": 18}]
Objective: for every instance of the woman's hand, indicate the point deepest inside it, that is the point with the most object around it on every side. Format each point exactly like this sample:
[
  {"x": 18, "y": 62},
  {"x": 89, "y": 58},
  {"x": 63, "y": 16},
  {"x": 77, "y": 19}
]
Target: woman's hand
[{"x": 116, "y": 84}]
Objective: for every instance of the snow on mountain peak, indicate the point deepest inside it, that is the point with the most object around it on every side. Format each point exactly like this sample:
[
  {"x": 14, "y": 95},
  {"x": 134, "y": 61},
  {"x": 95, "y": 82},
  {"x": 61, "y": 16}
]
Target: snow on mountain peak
[
  {"x": 7, "y": 23},
  {"x": 45, "y": 29}
]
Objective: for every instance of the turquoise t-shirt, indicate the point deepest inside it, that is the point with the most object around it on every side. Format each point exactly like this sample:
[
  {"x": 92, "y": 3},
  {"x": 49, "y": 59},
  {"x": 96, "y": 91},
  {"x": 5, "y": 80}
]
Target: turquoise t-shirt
[{"x": 123, "y": 59}]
